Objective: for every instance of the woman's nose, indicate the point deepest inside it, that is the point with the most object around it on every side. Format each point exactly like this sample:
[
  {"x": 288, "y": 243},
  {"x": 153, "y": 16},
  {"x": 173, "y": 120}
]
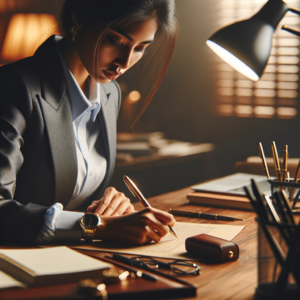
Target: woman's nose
[{"x": 124, "y": 59}]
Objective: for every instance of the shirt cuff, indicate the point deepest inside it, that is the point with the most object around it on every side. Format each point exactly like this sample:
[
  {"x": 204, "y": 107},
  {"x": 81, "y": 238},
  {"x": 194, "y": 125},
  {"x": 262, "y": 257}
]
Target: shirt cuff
[{"x": 60, "y": 226}]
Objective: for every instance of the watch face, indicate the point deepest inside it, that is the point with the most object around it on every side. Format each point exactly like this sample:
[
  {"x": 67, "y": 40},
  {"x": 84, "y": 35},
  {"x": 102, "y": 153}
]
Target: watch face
[{"x": 90, "y": 221}]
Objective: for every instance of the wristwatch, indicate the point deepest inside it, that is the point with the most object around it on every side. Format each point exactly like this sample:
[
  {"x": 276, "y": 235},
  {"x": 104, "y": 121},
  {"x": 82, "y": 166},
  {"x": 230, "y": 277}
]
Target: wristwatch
[{"x": 89, "y": 223}]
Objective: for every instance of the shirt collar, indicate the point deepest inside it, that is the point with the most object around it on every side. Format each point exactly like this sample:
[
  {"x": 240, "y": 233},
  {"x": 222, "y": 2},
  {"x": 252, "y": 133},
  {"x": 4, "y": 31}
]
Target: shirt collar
[{"x": 79, "y": 102}]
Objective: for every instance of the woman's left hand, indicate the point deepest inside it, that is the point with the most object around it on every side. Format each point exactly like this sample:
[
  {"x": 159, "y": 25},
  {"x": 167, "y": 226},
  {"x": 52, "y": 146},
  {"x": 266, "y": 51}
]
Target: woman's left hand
[{"x": 113, "y": 203}]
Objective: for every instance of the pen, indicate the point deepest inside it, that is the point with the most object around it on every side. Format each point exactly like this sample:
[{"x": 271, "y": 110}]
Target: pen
[
  {"x": 276, "y": 161},
  {"x": 284, "y": 163},
  {"x": 202, "y": 216},
  {"x": 128, "y": 261},
  {"x": 136, "y": 193},
  {"x": 263, "y": 158}
]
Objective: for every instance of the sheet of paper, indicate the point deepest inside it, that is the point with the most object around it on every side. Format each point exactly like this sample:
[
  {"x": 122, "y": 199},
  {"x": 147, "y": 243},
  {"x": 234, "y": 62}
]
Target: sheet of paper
[
  {"x": 7, "y": 281},
  {"x": 169, "y": 246}
]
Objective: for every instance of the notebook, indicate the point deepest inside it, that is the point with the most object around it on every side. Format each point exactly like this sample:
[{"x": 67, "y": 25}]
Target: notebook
[
  {"x": 49, "y": 265},
  {"x": 228, "y": 191},
  {"x": 233, "y": 184},
  {"x": 7, "y": 282}
]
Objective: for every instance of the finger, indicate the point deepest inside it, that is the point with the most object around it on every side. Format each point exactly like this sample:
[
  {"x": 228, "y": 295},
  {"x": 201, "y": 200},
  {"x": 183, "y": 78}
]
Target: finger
[
  {"x": 112, "y": 207},
  {"x": 159, "y": 228},
  {"x": 143, "y": 235},
  {"x": 93, "y": 206},
  {"x": 152, "y": 235},
  {"x": 165, "y": 218},
  {"x": 105, "y": 201},
  {"x": 124, "y": 205},
  {"x": 130, "y": 209}
]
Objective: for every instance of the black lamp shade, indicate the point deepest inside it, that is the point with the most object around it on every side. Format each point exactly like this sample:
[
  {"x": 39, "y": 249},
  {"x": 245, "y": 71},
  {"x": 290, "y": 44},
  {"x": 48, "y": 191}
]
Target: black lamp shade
[{"x": 246, "y": 45}]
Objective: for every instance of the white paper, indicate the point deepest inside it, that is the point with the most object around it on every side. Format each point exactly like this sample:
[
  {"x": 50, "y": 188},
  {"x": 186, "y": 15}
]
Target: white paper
[{"x": 169, "y": 246}]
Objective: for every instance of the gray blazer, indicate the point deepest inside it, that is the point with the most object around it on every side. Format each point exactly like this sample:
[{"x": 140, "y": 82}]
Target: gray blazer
[{"x": 38, "y": 164}]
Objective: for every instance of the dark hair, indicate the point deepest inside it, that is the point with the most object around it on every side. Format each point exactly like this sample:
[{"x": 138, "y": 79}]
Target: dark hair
[{"x": 117, "y": 13}]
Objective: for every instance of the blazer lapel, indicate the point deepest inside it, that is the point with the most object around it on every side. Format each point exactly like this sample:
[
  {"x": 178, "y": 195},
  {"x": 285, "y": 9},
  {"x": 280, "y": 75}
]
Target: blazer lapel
[
  {"x": 58, "y": 120},
  {"x": 108, "y": 122}
]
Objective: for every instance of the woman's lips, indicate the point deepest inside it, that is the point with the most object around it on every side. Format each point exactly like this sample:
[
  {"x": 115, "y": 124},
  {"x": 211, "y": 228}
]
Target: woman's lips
[{"x": 110, "y": 76}]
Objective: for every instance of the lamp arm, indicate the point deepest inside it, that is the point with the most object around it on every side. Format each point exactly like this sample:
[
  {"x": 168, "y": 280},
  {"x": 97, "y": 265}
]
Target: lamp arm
[
  {"x": 294, "y": 10},
  {"x": 293, "y": 31}
]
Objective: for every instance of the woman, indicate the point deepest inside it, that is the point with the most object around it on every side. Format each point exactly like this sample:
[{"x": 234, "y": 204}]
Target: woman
[{"x": 58, "y": 125}]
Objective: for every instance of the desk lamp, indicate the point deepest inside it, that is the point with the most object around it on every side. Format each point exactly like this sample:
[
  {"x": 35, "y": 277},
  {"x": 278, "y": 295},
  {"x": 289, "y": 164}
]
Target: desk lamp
[{"x": 246, "y": 45}]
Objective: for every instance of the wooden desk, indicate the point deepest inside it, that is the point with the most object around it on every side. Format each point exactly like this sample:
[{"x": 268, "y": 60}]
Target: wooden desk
[{"x": 233, "y": 280}]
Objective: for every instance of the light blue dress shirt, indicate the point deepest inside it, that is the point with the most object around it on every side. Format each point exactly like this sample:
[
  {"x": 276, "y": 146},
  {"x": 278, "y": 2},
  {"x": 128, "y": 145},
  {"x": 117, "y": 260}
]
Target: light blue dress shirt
[{"x": 63, "y": 225}]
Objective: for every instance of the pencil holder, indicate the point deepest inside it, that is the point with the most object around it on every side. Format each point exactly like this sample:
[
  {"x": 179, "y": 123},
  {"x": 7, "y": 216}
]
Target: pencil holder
[
  {"x": 278, "y": 262},
  {"x": 291, "y": 188}
]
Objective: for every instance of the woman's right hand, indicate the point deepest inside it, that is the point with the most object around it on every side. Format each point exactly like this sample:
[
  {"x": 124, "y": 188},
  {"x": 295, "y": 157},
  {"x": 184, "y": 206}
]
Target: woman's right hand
[{"x": 141, "y": 227}]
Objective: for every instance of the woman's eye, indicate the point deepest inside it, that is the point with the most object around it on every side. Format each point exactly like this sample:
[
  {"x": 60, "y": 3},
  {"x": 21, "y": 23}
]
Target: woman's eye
[
  {"x": 114, "y": 42},
  {"x": 143, "y": 51}
]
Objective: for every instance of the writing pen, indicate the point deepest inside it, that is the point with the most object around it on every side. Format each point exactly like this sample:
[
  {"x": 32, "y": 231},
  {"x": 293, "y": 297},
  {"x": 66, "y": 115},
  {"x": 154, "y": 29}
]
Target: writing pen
[
  {"x": 136, "y": 193},
  {"x": 128, "y": 261},
  {"x": 202, "y": 216}
]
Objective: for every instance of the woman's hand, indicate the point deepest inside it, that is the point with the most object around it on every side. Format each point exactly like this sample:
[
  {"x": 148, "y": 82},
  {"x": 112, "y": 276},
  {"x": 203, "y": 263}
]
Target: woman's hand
[
  {"x": 113, "y": 203},
  {"x": 140, "y": 227}
]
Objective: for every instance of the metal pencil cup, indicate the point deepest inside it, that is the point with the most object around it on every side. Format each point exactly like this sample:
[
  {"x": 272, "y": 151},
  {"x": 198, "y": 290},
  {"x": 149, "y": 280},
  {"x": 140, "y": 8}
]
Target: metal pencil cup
[
  {"x": 278, "y": 278},
  {"x": 288, "y": 187}
]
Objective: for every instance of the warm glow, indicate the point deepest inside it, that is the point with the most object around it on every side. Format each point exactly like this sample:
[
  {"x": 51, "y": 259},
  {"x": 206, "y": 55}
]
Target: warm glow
[
  {"x": 225, "y": 109},
  {"x": 25, "y": 32},
  {"x": 264, "y": 84},
  {"x": 264, "y": 93},
  {"x": 226, "y": 91},
  {"x": 288, "y": 69},
  {"x": 244, "y": 83},
  {"x": 287, "y": 94},
  {"x": 264, "y": 110},
  {"x": 134, "y": 96},
  {"x": 244, "y": 109},
  {"x": 244, "y": 92},
  {"x": 286, "y": 111},
  {"x": 292, "y": 42},
  {"x": 233, "y": 61}
]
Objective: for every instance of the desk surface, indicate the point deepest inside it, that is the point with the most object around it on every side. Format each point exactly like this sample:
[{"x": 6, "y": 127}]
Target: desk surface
[{"x": 233, "y": 280}]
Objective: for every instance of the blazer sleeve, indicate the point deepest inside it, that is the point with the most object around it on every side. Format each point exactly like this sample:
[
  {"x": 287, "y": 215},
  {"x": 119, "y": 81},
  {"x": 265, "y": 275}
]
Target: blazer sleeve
[{"x": 18, "y": 223}]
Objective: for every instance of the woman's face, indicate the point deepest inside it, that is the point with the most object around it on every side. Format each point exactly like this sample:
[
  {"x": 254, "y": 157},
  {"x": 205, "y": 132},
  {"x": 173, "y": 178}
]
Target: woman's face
[{"x": 120, "y": 48}]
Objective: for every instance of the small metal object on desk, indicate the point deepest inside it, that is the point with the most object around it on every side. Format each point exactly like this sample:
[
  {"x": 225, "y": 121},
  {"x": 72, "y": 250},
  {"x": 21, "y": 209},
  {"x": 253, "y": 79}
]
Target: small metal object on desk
[
  {"x": 92, "y": 286},
  {"x": 114, "y": 276}
]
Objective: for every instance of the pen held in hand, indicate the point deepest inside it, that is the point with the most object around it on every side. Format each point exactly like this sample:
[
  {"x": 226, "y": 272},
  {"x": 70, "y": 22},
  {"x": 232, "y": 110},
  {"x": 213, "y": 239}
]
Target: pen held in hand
[
  {"x": 137, "y": 193},
  {"x": 202, "y": 215}
]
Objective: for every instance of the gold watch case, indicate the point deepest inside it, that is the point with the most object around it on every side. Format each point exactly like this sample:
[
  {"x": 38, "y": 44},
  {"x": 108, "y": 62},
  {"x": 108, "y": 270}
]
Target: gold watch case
[{"x": 89, "y": 223}]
